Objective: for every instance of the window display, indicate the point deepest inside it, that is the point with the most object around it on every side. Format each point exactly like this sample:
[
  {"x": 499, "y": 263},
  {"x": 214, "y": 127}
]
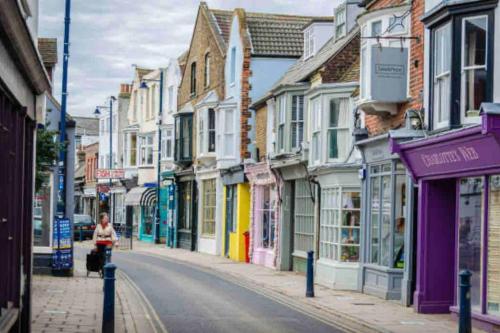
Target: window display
[
  {"x": 469, "y": 233},
  {"x": 339, "y": 224},
  {"x": 209, "y": 204},
  {"x": 493, "y": 263},
  {"x": 387, "y": 214},
  {"x": 268, "y": 217}
]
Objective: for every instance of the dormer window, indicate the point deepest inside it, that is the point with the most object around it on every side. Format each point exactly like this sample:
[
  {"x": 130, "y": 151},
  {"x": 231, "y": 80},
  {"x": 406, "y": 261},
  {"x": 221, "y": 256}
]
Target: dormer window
[
  {"x": 340, "y": 22},
  {"x": 308, "y": 43}
]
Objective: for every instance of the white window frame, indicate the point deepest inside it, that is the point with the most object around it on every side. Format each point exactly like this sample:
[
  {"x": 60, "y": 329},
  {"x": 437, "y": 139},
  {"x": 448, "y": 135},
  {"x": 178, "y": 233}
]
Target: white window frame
[
  {"x": 438, "y": 78},
  {"x": 316, "y": 129},
  {"x": 309, "y": 47},
  {"x": 206, "y": 82},
  {"x": 340, "y": 22},
  {"x": 298, "y": 123},
  {"x": 171, "y": 99},
  {"x": 232, "y": 69},
  {"x": 228, "y": 137},
  {"x": 270, "y": 212},
  {"x": 342, "y": 128},
  {"x": 209, "y": 208},
  {"x": 303, "y": 233},
  {"x": 464, "y": 69},
  {"x": 167, "y": 138},
  {"x": 281, "y": 123},
  {"x": 330, "y": 242},
  {"x": 146, "y": 149}
]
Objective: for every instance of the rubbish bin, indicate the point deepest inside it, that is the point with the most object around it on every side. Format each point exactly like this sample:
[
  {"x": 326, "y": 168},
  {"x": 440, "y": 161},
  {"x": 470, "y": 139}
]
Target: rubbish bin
[{"x": 246, "y": 234}]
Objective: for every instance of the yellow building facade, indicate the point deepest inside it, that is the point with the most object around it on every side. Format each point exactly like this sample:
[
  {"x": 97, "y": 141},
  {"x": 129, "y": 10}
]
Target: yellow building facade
[{"x": 236, "y": 220}]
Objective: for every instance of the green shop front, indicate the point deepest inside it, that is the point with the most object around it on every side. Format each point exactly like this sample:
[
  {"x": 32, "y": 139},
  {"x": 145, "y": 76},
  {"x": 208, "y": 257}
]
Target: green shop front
[{"x": 141, "y": 210}]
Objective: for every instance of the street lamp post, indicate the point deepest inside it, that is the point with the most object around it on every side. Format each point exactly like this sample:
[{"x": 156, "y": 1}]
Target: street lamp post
[
  {"x": 97, "y": 112},
  {"x": 158, "y": 171}
]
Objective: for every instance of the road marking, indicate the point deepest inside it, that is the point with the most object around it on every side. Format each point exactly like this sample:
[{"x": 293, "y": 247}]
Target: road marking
[{"x": 145, "y": 304}]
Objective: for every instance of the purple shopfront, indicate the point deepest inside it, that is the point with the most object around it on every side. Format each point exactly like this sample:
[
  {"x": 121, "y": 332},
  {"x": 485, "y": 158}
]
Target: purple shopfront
[{"x": 458, "y": 174}]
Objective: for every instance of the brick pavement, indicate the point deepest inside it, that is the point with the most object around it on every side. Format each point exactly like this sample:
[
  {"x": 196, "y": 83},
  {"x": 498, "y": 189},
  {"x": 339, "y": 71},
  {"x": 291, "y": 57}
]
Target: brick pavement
[{"x": 74, "y": 304}]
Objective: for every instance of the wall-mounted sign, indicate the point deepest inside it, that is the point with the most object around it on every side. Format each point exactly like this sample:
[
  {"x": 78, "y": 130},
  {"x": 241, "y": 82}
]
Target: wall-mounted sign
[{"x": 110, "y": 174}]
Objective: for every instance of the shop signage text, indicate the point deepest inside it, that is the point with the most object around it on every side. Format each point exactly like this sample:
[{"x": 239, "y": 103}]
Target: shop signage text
[
  {"x": 460, "y": 154},
  {"x": 110, "y": 174}
]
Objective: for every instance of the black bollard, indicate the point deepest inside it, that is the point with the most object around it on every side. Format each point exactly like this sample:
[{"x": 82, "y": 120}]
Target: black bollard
[
  {"x": 465, "y": 325},
  {"x": 108, "y": 310},
  {"x": 310, "y": 274}
]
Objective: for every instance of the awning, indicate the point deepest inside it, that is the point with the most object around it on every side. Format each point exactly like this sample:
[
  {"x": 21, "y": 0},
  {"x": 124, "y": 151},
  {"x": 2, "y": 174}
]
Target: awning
[
  {"x": 149, "y": 197},
  {"x": 133, "y": 197},
  {"x": 141, "y": 196}
]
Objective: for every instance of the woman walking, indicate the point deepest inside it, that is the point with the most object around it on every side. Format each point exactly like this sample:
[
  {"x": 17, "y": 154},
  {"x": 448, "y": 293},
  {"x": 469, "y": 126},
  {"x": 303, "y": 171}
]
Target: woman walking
[{"x": 104, "y": 237}]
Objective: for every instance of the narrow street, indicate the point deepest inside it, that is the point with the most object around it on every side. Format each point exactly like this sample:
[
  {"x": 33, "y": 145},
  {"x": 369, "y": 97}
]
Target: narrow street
[{"x": 187, "y": 299}]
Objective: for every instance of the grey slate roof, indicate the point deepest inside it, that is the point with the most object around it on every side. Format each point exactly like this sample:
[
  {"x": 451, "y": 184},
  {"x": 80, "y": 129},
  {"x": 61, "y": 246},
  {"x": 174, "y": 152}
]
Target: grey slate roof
[
  {"x": 278, "y": 35},
  {"x": 303, "y": 68},
  {"x": 86, "y": 126}
]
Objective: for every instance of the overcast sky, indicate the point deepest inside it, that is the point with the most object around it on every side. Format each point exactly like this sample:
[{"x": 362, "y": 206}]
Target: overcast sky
[{"x": 108, "y": 36}]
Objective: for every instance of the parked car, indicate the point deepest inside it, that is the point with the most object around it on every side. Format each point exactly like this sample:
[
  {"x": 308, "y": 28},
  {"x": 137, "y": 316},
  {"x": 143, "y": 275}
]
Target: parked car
[{"x": 85, "y": 223}]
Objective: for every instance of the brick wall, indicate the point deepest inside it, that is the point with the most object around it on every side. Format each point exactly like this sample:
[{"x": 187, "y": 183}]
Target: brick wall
[
  {"x": 261, "y": 130},
  {"x": 377, "y": 124},
  {"x": 203, "y": 41},
  {"x": 91, "y": 158},
  {"x": 342, "y": 62},
  {"x": 245, "y": 103}
]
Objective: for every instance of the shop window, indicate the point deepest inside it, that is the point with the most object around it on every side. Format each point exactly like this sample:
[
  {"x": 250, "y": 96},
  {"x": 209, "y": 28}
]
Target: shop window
[
  {"x": 209, "y": 203},
  {"x": 469, "y": 39},
  {"x": 297, "y": 124},
  {"x": 185, "y": 199},
  {"x": 493, "y": 250},
  {"x": 266, "y": 212},
  {"x": 303, "y": 217},
  {"x": 470, "y": 234},
  {"x": 231, "y": 204},
  {"x": 387, "y": 214},
  {"x": 148, "y": 216},
  {"x": 340, "y": 224}
]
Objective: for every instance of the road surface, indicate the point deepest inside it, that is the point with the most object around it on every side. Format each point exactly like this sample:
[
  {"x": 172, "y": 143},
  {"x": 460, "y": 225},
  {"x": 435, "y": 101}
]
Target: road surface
[{"x": 187, "y": 299}]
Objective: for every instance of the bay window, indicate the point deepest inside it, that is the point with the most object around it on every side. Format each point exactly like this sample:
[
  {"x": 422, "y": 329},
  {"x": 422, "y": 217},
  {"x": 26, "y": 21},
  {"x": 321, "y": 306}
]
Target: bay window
[
  {"x": 209, "y": 203},
  {"x": 469, "y": 39},
  {"x": 297, "y": 123},
  {"x": 338, "y": 127},
  {"x": 387, "y": 214},
  {"x": 281, "y": 122},
  {"x": 340, "y": 224},
  {"x": 183, "y": 138},
  {"x": 146, "y": 150},
  {"x": 316, "y": 129},
  {"x": 206, "y": 131},
  {"x": 442, "y": 75}
]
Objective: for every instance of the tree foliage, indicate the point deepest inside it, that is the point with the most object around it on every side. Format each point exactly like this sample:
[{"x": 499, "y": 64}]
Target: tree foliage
[{"x": 47, "y": 152}]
